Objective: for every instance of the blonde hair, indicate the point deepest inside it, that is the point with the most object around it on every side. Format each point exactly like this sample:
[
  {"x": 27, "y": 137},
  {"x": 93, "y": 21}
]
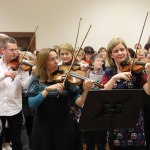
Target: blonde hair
[
  {"x": 113, "y": 43},
  {"x": 139, "y": 51},
  {"x": 80, "y": 52},
  {"x": 66, "y": 46}
]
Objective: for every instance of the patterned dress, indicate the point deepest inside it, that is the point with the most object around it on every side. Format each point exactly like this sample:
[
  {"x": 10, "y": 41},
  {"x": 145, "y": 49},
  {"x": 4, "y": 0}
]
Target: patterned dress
[{"x": 127, "y": 137}]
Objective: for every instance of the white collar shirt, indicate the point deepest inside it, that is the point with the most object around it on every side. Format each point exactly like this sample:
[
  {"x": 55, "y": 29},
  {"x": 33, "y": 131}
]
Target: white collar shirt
[{"x": 11, "y": 90}]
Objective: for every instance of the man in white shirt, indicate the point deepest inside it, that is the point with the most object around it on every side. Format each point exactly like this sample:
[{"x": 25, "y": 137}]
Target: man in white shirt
[
  {"x": 11, "y": 84},
  {"x": 2, "y": 37}
]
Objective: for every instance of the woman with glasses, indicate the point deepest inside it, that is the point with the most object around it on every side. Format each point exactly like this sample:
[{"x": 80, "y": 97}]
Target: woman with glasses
[{"x": 53, "y": 126}]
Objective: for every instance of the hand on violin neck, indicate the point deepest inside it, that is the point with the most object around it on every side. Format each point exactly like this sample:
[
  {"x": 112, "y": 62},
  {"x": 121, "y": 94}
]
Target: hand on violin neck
[
  {"x": 84, "y": 66},
  {"x": 87, "y": 85}
]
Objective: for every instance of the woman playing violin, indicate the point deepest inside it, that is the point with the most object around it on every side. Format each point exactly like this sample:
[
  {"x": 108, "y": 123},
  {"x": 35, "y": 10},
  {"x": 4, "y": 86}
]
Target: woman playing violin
[
  {"x": 66, "y": 53},
  {"x": 53, "y": 126},
  {"x": 114, "y": 78}
]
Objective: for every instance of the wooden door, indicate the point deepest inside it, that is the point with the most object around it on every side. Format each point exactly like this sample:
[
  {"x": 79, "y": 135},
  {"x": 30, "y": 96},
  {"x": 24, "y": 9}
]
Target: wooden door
[{"x": 24, "y": 39}]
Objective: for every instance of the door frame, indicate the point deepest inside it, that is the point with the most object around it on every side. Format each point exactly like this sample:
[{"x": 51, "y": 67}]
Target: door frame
[{"x": 29, "y": 35}]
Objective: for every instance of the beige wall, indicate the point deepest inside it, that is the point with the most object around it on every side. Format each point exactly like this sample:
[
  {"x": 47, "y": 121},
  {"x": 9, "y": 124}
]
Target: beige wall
[{"x": 58, "y": 20}]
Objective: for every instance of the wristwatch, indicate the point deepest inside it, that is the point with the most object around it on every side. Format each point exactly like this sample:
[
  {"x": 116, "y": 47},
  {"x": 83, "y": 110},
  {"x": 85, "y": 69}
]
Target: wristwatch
[{"x": 46, "y": 89}]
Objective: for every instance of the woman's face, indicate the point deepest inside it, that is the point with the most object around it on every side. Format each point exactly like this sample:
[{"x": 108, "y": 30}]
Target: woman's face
[
  {"x": 52, "y": 62},
  {"x": 119, "y": 53},
  {"x": 103, "y": 53},
  {"x": 80, "y": 57},
  {"x": 88, "y": 56},
  {"x": 142, "y": 55},
  {"x": 65, "y": 56}
]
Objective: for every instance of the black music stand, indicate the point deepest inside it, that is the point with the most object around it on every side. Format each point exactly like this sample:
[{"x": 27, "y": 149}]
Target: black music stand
[{"x": 111, "y": 109}]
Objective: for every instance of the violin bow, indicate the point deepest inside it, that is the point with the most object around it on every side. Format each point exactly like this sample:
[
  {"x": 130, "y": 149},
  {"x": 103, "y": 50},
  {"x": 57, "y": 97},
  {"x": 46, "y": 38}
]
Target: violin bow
[
  {"x": 27, "y": 48},
  {"x": 139, "y": 41},
  {"x": 77, "y": 33},
  {"x": 76, "y": 38},
  {"x": 74, "y": 58}
]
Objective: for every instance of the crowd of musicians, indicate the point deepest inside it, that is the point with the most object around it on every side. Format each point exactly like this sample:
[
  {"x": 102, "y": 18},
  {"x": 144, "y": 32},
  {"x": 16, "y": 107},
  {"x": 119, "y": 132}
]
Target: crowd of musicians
[{"x": 41, "y": 105}]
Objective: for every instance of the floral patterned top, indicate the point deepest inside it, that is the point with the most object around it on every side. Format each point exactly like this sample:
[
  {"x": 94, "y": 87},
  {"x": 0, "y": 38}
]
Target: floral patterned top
[{"x": 126, "y": 137}]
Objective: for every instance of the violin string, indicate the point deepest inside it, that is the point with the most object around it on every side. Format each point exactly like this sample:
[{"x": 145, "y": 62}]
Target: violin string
[
  {"x": 139, "y": 42},
  {"x": 74, "y": 74}
]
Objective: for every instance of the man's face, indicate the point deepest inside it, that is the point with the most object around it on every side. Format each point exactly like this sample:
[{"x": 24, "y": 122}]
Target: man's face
[{"x": 10, "y": 52}]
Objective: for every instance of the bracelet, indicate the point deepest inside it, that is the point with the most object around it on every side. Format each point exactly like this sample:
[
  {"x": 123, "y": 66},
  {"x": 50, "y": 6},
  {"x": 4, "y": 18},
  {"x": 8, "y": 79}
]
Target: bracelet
[{"x": 46, "y": 89}]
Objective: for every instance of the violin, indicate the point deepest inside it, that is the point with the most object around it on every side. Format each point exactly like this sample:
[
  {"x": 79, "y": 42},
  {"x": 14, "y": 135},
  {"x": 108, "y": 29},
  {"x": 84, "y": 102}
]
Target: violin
[
  {"x": 74, "y": 74},
  {"x": 60, "y": 74},
  {"x": 137, "y": 67},
  {"x": 134, "y": 66},
  {"x": 25, "y": 65},
  {"x": 76, "y": 67}
]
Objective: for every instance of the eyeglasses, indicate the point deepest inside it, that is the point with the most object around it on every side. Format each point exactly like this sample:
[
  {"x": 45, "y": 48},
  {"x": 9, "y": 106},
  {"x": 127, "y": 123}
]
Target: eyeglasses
[{"x": 53, "y": 59}]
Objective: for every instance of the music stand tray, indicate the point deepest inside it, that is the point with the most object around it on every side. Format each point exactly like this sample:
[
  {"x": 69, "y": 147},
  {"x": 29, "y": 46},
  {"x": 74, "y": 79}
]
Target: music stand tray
[{"x": 111, "y": 109}]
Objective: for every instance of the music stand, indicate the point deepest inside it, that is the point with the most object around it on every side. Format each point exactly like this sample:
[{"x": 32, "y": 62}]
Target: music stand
[{"x": 111, "y": 109}]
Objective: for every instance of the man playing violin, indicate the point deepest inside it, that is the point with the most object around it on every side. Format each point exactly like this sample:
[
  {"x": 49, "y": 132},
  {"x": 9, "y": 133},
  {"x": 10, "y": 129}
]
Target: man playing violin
[
  {"x": 11, "y": 84},
  {"x": 114, "y": 78}
]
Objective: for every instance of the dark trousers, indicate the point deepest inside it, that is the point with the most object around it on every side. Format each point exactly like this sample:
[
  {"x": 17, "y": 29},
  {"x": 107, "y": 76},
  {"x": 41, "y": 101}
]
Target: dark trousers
[
  {"x": 15, "y": 123},
  {"x": 78, "y": 138},
  {"x": 92, "y": 138},
  {"x": 7, "y": 135}
]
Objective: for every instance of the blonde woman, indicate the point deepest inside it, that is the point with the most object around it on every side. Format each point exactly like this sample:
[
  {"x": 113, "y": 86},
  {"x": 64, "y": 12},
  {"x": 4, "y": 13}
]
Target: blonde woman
[{"x": 114, "y": 78}]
